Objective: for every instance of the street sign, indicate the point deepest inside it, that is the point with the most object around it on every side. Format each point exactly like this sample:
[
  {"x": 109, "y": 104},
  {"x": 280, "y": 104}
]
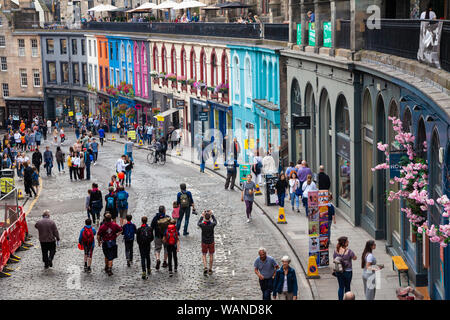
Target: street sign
[
  {"x": 203, "y": 116},
  {"x": 302, "y": 122},
  {"x": 180, "y": 103}
]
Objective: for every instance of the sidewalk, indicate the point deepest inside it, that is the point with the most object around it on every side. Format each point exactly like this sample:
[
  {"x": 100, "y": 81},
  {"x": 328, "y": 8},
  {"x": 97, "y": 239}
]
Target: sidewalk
[{"x": 296, "y": 234}]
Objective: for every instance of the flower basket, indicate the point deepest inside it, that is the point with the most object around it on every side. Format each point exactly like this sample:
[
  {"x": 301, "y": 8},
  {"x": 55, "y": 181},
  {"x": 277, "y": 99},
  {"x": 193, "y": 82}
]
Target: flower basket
[
  {"x": 153, "y": 74},
  {"x": 171, "y": 77},
  {"x": 130, "y": 113},
  {"x": 117, "y": 112},
  {"x": 199, "y": 85},
  {"x": 190, "y": 82},
  {"x": 123, "y": 107}
]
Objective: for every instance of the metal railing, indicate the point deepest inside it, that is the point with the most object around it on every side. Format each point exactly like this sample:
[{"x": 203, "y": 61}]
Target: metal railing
[{"x": 276, "y": 31}]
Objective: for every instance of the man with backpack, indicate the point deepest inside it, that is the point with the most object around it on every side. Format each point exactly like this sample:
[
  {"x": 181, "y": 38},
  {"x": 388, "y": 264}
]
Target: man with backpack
[
  {"x": 257, "y": 168},
  {"x": 144, "y": 238},
  {"x": 88, "y": 158},
  {"x": 159, "y": 224},
  {"x": 87, "y": 240},
  {"x": 106, "y": 237},
  {"x": 172, "y": 240},
  {"x": 231, "y": 165},
  {"x": 122, "y": 204},
  {"x": 95, "y": 203},
  {"x": 184, "y": 199},
  {"x": 129, "y": 230},
  {"x": 207, "y": 227},
  {"x": 111, "y": 203}
]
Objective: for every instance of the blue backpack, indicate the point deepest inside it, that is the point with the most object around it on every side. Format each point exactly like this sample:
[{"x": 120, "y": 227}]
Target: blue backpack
[
  {"x": 110, "y": 203},
  {"x": 129, "y": 230},
  {"x": 122, "y": 200}
]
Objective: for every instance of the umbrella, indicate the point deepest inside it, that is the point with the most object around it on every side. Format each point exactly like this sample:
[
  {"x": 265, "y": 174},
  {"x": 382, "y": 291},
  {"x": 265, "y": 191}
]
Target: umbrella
[
  {"x": 144, "y": 7},
  {"x": 169, "y": 4},
  {"x": 103, "y": 7},
  {"x": 96, "y": 7},
  {"x": 189, "y": 4}
]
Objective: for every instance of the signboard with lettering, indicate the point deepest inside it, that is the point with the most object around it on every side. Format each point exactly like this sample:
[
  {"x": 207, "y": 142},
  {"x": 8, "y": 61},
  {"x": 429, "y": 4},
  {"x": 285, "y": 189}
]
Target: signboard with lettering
[
  {"x": 394, "y": 166},
  {"x": 180, "y": 103},
  {"x": 299, "y": 34},
  {"x": 327, "y": 34},
  {"x": 302, "y": 122},
  {"x": 70, "y": 113},
  {"x": 203, "y": 116},
  {"x": 312, "y": 34}
]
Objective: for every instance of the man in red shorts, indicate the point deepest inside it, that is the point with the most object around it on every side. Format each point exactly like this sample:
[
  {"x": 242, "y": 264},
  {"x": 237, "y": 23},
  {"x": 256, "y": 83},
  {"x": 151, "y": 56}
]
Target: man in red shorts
[{"x": 207, "y": 223}]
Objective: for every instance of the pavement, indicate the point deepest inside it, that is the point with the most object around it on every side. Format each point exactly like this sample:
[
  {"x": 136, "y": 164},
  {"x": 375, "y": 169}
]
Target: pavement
[
  {"x": 295, "y": 233},
  {"x": 237, "y": 242}
]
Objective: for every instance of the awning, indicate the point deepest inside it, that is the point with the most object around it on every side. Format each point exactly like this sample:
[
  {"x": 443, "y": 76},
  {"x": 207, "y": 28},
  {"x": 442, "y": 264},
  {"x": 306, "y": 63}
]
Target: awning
[
  {"x": 267, "y": 104},
  {"x": 166, "y": 113}
]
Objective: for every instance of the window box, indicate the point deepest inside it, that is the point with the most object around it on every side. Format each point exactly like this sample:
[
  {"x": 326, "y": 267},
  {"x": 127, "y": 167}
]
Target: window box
[
  {"x": 174, "y": 84},
  {"x": 165, "y": 82},
  {"x": 214, "y": 96},
  {"x": 204, "y": 92},
  {"x": 184, "y": 87}
]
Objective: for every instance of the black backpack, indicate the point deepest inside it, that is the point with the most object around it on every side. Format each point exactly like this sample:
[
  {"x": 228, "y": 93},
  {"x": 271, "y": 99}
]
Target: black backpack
[{"x": 145, "y": 235}]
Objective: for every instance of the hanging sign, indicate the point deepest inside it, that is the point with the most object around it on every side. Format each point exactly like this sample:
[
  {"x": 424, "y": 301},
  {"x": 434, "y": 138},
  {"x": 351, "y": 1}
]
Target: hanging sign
[
  {"x": 70, "y": 113},
  {"x": 394, "y": 163},
  {"x": 299, "y": 34},
  {"x": 312, "y": 34},
  {"x": 203, "y": 116},
  {"x": 160, "y": 118},
  {"x": 327, "y": 34}
]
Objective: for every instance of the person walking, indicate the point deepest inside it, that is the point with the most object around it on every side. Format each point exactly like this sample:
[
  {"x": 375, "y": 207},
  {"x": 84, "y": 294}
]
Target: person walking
[
  {"x": 295, "y": 190},
  {"x": 144, "y": 238},
  {"x": 72, "y": 163},
  {"x": 122, "y": 204},
  {"x": 231, "y": 165},
  {"x": 28, "y": 179},
  {"x": 331, "y": 214},
  {"x": 280, "y": 189},
  {"x": 36, "y": 159},
  {"x": 88, "y": 158},
  {"x": 247, "y": 195},
  {"x": 323, "y": 179},
  {"x": 128, "y": 169},
  {"x": 207, "y": 223},
  {"x": 87, "y": 240},
  {"x": 101, "y": 135},
  {"x": 48, "y": 238},
  {"x": 111, "y": 203},
  {"x": 129, "y": 231},
  {"x": 48, "y": 160},
  {"x": 303, "y": 172},
  {"x": 185, "y": 200},
  {"x": 285, "y": 283},
  {"x": 94, "y": 147},
  {"x": 82, "y": 166},
  {"x": 95, "y": 203},
  {"x": 369, "y": 266},
  {"x": 308, "y": 185},
  {"x": 159, "y": 224},
  {"x": 257, "y": 168},
  {"x": 172, "y": 240},
  {"x": 290, "y": 169},
  {"x": 150, "y": 134},
  {"x": 60, "y": 159},
  {"x": 129, "y": 149},
  {"x": 106, "y": 237},
  {"x": 265, "y": 268},
  {"x": 345, "y": 257}
]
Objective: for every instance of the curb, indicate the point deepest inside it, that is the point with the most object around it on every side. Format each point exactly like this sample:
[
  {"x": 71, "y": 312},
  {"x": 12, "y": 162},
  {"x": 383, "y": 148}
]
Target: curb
[{"x": 258, "y": 205}]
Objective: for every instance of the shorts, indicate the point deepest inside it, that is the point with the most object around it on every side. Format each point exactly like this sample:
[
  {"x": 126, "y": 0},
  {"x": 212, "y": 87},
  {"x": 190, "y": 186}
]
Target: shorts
[
  {"x": 110, "y": 253},
  {"x": 159, "y": 244},
  {"x": 208, "y": 247},
  {"x": 123, "y": 213},
  {"x": 38, "y": 143},
  {"x": 88, "y": 251}
]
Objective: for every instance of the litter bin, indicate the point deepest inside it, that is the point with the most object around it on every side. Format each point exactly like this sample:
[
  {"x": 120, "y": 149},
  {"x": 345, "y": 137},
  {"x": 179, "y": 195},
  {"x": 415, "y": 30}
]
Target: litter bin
[{"x": 271, "y": 196}]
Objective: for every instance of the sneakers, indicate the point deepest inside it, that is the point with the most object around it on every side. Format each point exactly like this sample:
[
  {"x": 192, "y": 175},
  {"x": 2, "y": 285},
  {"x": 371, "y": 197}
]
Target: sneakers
[
  {"x": 205, "y": 271},
  {"x": 293, "y": 209},
  {"x": 298, "y": 210},
  {"x": 170, "y": 273},
  {"x": 144, "y": 275},
  {"x": 128, "y": 263},
  {"x": 158, "y": 263},
  {"x": 89, "y": 270},
  {"x": 210, "y": 271},
  {"x": 149, "y": 271},
  {"x": 164, "y": 265},
  {"x": 248, "y": 220},
  {"x": 109, "y": 272}
]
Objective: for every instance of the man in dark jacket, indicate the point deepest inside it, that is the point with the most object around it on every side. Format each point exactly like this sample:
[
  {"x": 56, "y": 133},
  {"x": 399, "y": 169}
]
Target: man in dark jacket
[
  {"x": 48, "y": 159},
  {"x": 185, "y": 208},
  {"x": 48, "y": 235},
  {"x": 324, "y": 179},
  {"x": 95, "y": 202},
  {"x": 28, "y": 179},
  {"x": 231, "y": 165},
  {"x": 37, "y": 159},
  {"x": 207, "y": 227},
  {"x": 159, "y": 225},
  {"x": 144, "y": 238}
]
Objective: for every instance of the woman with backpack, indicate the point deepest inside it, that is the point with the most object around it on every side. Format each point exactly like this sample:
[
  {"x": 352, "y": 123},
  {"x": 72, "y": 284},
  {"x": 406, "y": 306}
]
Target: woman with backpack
[
  {"x": 128, "y": 168},
  {"x": 172, "y": 240},
  {"x": 369, "y": 265},
  {"x": 87, "y": 241},
  {"x": 257, "y": 168},
  {"x": 122, "y": 204},
  {"x": 111, "y": 203},
  {"x": 294, "y": 190},
  {"x": 129, "y": 230},
  {"x": 343, "y": 257},
  {"x": 144, "y": 238}
]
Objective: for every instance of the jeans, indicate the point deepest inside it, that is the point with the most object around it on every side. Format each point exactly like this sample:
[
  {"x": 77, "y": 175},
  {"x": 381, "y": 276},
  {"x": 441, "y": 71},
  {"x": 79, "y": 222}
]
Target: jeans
[
  {"x": 28, "y": 189},
  {"x": 101, "y": 141},
  {"x": 172, "y": 253},
  {"x": 149, "y": 137},
  {"x": 48, "y": 251},
  {"x": 281, "y": 197},
  {"x": 48, "y": 166},
  {"x": 95, "y": 156},
  {"x": 130, "y": 155},
  {"x": 184, "y": 211},
  {"x": 305, "y": 204},
  {"x": 232, "y": 177},
  {"x": 60, "y": 165},
  {"x": 145, "y": 257},
  {"x": 266, "y": 288},
  {"x": 73, "y": 171},
  {"x": 344, "y": 281},
  {"x": 129, "y": 250},
  {"x": 95, "y": 212},
  {"x": 88, "y": 171},
  {"x": 294, "y": 197},
  {"x": 128, "y": 177}
]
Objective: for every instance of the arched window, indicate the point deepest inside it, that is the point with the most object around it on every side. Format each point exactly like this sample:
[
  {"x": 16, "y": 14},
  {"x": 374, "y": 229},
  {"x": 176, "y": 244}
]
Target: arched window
[
  {"x": 136, "y": 56},
  {"x": 394, "y": 206},
  {"x": 236, "y": 79},
  {"x": 123, "y": 52},
  {"x": 420, "y": 139},
  {"x": 269, "y": 80},
  {"x": 367, "y": 122},
  {"x": 155, "y": 59},
  {"x": 183, "y": 62},
  {"x": 203, "y": 66},
  {"x": 343, "y": 151},
  {"x": 193, "y": 65},
  {"x": 214, "y": 75},
  {"x": 248, "y": 81},
  {"x": 407, "y": 120},
  {"x": 144, "y": 56},
  {"x": 224, "y": 67},
  {"x": 164, "y": 60},
  {"x": 130, "y": 58},
  {"x": 173, "y": 61},
  {"x": 265, "y": 80},
  {"x": 296, "y": 109}
]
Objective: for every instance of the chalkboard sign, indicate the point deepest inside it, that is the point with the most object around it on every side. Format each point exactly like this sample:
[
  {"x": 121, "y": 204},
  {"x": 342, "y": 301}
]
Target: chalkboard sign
[{"x": 271, "y": 196}]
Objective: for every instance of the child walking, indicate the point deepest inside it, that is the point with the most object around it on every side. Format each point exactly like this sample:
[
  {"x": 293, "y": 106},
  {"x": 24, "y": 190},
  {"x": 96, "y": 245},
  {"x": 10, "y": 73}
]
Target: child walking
[
  {"x": 175, "y": 211},
  {"x": 35, "y": 180},
  {"x": 129, "y": 230},
  {"x": 87, "y": 241}
]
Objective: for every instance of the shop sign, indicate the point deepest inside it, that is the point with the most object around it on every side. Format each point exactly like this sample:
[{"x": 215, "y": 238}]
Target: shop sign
[
  {"x": 160, "y": 118},
  {"x": 327, "y": 34},
  {"x": 299, "y": 34},
  {"x": 312, "y": 34},
  {"x": 394, "y": 165},
  {"x": 303, "y": 122},
  {"x": 70, "y": 113},
  {"x": 343, "y": 146},
  {"x": 180, "y": 103},
  {"x": 199, "y": 103},
  {"x": 203, "y": 116}
]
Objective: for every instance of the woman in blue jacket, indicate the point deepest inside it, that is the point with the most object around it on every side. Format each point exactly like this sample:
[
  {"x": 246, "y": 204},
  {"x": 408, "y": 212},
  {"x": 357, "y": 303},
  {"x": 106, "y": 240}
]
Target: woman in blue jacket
[{"x": 285, "y": 282}]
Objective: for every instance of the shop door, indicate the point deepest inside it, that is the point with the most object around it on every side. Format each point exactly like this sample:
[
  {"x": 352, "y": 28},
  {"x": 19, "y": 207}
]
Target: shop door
[
  {"x": 25, "y": 113},
  {"x": 51, "y": 108},
  {"x": 223, "y": 123}
]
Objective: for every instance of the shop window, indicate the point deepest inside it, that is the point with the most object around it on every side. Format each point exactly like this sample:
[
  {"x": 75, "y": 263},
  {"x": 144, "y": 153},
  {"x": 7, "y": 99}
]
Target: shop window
[
  {"x": 193, "y": 65},
  {"x": 343, "y": 149},
  {"x": 367, "y": 149}
]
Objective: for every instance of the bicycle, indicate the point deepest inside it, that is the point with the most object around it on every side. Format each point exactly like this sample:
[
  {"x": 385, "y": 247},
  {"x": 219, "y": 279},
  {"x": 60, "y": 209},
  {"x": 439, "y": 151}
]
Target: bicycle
[{"x": 151, "y": 157}]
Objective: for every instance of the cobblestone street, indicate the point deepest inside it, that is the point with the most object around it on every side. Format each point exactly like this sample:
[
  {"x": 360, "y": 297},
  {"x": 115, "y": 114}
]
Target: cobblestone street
[{"x": 236, "y": 241}]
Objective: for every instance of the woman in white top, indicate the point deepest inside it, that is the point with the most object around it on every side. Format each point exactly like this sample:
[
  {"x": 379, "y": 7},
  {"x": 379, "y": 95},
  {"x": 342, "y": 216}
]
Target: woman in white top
[
  {"x": 19, "y": 162},
  {"x": 308, "y": 185},
  {"x": 369, "y": 264},
  {"x": 429, "y": 14},
  {"x": 294, "y": 190}
]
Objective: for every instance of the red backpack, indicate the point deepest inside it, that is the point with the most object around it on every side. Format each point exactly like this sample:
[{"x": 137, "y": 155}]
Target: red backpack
[
  {"x": 87, "y": 238},
  {"x": 171, "y": 235}
]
